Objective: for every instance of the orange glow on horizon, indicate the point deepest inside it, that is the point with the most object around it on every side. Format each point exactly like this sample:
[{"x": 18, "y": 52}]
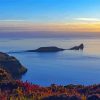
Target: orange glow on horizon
[{"x": 69, "y": 27}]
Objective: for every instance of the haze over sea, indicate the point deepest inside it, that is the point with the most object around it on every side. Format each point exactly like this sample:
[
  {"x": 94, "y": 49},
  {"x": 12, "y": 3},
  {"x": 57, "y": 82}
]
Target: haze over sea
[{"x": 65, "y": 67}]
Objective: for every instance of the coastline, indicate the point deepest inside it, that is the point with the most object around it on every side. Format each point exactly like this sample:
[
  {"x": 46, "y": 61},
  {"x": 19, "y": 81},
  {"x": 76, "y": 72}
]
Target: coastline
[{"x": 41, "y": 66}]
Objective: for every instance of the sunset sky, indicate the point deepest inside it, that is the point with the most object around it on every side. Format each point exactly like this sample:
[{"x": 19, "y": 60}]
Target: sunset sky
[{"x": 61, "y": 17}]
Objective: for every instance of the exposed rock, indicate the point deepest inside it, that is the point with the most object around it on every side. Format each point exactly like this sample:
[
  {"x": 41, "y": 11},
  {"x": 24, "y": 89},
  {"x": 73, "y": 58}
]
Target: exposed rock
[
  {"x": 52, "y": 49},
  {"x": 5, "y": 76},
  {"x": 12, "y": 65},
  {"x": 46, "y": 49},
  {"x": 56, "y": 49},
  {"x": 80, "y": 47}
]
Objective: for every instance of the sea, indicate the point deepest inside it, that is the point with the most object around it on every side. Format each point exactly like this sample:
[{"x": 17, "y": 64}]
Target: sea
[{"x": 62, "y": 68}]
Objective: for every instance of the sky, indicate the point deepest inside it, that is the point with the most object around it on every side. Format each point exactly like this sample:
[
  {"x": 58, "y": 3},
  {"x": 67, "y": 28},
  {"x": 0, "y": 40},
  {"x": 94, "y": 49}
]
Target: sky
[{"x": 53, "y": 17}]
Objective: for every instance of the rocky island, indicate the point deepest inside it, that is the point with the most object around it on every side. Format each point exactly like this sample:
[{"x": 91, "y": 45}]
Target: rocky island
[
  {"x": 52, "y": 49},
  {"x": 12, "y": 65},
  {"x": 47, "y": 49},
  {"x": 56, "y": 49}
]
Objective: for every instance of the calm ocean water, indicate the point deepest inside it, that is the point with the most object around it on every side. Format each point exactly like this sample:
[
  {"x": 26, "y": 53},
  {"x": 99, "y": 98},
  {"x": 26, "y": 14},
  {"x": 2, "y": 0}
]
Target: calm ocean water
[{"x": 66, "y": 67}]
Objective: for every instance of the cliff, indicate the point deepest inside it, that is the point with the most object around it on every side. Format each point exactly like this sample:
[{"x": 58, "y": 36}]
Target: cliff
[{"x": 12, "y": 65}]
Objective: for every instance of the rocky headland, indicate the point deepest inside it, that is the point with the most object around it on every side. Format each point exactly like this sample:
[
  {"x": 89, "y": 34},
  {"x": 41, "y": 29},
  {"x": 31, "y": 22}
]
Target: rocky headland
[{"x": 11, "y": 65}]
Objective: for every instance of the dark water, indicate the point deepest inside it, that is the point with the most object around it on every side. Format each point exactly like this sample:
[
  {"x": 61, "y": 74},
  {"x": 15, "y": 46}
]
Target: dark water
[{"x": 67, "y": 67}]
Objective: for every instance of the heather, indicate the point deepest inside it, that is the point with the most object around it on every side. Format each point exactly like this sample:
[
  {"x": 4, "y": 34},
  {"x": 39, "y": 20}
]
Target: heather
[{"x": 19, "y": 90}]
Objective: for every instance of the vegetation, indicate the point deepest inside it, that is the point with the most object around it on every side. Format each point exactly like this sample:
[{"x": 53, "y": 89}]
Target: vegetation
[
  {"x": 12, "y": 65},
  {"x": 11, "y": 89},
  {"x": 18, "y": 90}
]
